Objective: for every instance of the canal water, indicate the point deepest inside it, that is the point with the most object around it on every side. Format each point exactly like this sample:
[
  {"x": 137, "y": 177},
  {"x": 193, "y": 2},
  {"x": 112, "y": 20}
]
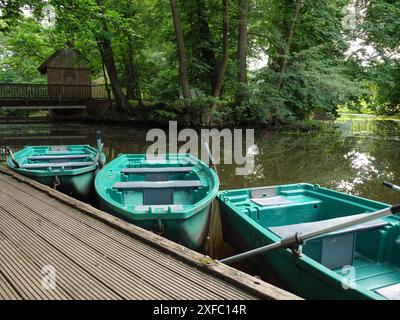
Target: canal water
[{"x": 354, "y": 154}]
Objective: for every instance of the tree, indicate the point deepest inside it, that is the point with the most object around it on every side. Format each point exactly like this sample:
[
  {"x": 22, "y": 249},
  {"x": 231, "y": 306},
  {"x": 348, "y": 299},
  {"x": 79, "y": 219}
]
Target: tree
[
  {"x": 205, "y": 53},
  {"x": 181, "y": 51},
  {"x": 299, "y": 4},
  {"x": 242, "y": 49},
  {"x": 225, "y": 55},
  {"x": 380, "y": 29},
  {"x": 107, "y": 54}
]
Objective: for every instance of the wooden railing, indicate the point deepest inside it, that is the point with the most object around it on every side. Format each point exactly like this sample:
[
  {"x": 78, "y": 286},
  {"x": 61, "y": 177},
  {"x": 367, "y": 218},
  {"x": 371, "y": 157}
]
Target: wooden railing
[{"x": 51, "y": 91}]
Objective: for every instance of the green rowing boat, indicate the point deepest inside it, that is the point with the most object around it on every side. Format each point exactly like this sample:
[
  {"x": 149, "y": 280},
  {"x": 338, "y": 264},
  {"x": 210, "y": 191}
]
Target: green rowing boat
[
  {"x": 170, "y": 196},
  {"x": 70, "y": 169},
  {"x": 357, "y": 262}
]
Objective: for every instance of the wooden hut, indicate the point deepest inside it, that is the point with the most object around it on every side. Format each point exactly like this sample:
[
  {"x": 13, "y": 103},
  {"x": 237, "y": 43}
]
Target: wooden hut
[{"x": 68, "y": 75}]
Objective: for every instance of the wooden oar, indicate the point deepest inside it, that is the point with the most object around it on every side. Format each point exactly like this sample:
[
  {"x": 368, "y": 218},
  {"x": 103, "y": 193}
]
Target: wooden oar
[
  {"x": 298, "y": 239},
  {"x": 16, "y": 164},
  {"x": 391, "y": 185}
]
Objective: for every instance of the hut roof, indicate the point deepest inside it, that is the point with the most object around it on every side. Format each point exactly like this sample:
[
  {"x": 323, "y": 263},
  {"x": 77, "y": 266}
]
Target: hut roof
[{"x": 65, "y": 58}]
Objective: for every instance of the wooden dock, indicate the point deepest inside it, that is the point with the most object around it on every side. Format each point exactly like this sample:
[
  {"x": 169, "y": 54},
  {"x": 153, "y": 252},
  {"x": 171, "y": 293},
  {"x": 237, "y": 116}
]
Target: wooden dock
[{"x": 93, "y": 255}]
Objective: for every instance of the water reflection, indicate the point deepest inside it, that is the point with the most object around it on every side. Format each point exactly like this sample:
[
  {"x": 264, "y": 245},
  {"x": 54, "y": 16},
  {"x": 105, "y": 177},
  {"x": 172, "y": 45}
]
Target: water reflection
[{"x": 353, "y": 155}]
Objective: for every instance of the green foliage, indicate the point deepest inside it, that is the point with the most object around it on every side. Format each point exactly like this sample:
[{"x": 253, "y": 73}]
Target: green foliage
[
  {"x": 24, "y": 48},
  {"x": 317, "y": 78},
  {"x": 315, "y": 71},
  {"x": 381, "y": 30},
  {"x": 163, "y": 115}
]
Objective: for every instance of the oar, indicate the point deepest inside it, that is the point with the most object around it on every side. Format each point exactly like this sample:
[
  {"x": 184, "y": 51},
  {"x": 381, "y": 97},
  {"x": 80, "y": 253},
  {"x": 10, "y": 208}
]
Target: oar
[
  {"x": 213, "y": 209},
  {"x": 391, "y": 185},
  {"x": 99, "y": 148},
  {"x": 298, "y": 239},
  {"x": 16, "y": 164}
]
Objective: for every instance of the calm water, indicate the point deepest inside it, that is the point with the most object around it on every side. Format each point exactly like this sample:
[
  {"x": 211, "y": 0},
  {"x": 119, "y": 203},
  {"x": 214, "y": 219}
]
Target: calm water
[{"x": 353, "y": 155}]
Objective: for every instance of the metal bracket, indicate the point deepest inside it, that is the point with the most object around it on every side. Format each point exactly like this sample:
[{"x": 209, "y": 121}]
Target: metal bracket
[
  {"x": 263, "y": 192},
  {"x": 159, "y": 227},
  {"x": 56, "y": 182}
]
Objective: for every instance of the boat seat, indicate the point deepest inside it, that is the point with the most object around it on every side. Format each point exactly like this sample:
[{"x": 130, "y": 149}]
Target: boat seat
[
  {"x": 290, "y": 230},
  {"x": 57, "y": 165},
  {"x": 52, "y": 157},
  {"x": 174, "y": 207},
  {"x": 158, "y": 192},
  {"x": 271, "y": 201},
  {"x": 333, "y": 250},
  {"x": 157, "y": 174},
  {"x": 59, "y": 148},
  {"x": 157, "y": 170},
  {"x": 158, "y": 184}
]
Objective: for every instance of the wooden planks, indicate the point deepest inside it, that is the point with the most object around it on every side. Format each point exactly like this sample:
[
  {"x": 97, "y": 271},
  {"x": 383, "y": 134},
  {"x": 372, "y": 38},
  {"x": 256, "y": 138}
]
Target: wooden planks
[{"x": 97, "y": 256}]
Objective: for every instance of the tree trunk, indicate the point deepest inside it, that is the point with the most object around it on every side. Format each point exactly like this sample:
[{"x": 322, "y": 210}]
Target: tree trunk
[
  {"x": 282, "y": 72},
  {"x": 131, "y": 75},
  {"x": 181, "y": 51},
  {"x": 105, "y": 74},
  {"x": 242, "y": 49},
  {"x": 109, "y": 61},
  {"x": 207, "y": 45},
  {"x": 224, "y": 62}
]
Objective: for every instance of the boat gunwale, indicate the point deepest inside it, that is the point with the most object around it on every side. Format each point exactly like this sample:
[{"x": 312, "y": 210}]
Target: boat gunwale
[
  {"x": 40, "y": 173},
  {"x": 186, "y": 212}
]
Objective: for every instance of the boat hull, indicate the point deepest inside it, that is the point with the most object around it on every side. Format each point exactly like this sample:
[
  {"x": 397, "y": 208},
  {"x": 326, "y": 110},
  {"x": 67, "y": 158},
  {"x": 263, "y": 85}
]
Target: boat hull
[
  {"x": 179, "y": 210},
  {"x": 190, "y": 232},
  {"x": 80, "y": 186},
  {"x": 53, "y": 166}
]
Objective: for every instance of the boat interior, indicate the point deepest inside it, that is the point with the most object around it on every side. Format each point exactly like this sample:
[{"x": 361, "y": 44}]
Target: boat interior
[
  {"x": 56, "y": 157},
  {"x": 372, "y": 249},
  {"x": 162, "y": 184}
]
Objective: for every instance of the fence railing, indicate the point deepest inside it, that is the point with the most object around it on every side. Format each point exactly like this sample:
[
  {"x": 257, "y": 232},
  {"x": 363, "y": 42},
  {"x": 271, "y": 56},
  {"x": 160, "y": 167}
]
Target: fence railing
[{"x": 51, "y": 91}]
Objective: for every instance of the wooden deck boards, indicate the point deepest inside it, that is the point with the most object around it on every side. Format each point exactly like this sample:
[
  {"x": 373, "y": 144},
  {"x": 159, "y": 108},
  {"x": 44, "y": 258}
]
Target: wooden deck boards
[{"x": 97, "y": 256}]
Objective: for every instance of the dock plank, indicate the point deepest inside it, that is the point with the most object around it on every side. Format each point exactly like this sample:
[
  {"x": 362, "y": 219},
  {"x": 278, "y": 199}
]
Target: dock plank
[
  {"x": 112, "y": 241},
  {"x": 70, "y": 276},
  {"x": 98, "y": 256},
  {"x": 7, "y": 292},
  {"x": 92, "y": 261}
]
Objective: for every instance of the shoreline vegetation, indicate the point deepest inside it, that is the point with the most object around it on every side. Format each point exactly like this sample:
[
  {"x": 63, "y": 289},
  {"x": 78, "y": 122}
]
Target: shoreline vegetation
[{"x": 274, "y": 63}]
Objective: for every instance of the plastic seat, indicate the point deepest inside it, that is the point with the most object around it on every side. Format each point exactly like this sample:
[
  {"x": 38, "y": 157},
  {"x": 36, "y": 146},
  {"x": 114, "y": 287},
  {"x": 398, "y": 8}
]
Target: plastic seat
[
  {"x": 158, "y": 184},
  {"x": 57, "y": 165},
  {"x": 157, "y": 170}
]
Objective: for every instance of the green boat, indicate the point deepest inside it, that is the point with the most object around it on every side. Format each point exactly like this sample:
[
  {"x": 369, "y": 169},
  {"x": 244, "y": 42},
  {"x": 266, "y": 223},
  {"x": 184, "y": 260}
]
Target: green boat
[
  {"x": 70, "y": 169},
  {"x": 357, "y": 262},
  {"x": 170, "y": 196}
]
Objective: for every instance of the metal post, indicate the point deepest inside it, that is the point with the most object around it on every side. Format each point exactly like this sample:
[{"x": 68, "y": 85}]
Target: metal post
[{"x": 391, "y": 185}]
